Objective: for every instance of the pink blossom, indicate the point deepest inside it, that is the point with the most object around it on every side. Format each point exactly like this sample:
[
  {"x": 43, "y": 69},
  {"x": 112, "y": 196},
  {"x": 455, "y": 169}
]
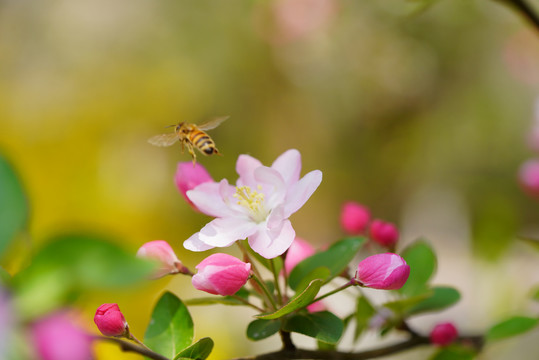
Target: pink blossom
[
  {"x": 354, "y": 217},
  {"x": 110, "y": 320},
  {"x": 383, "y": 271},
  {"x": 188, "y": 177},
  {"x": 161, "y": 251},
  {"x": 298, "y": 251},
  {"x": 384, "y": 233},
  {"x": 443, "y": 334},
  {"x": 529, "y": 177},
  {"x": 56, "y": 337},
  {"x": 257, "y": 208},
  {"x": 221, "y": 274}
]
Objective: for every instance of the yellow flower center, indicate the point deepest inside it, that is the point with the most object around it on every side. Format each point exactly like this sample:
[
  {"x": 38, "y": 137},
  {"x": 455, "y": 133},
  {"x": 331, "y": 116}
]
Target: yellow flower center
[{"x": 252, "y": 201}]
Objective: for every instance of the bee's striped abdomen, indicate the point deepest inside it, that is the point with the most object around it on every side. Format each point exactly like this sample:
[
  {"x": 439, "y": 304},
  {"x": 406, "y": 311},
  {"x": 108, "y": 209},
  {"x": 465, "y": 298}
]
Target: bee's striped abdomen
[{"x": 203, "y": 142}]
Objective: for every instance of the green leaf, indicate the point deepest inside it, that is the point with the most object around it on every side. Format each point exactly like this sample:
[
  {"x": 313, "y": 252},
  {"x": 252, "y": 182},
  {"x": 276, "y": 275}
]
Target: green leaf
[
  {"x": 70, "y": 264},
  {"x": 364, "y": 311},
  {"x": 403, "y": 306},
  {"x": 441, "y": 297},
  {"x": 513, "y": 326},
  {"x": 171, "y": 327},
  {"x": 260, "y": 329},
  {"x": 198, "y": 351},
  {"x": 454, "y": 352},
  {"x": 323, "y": 326},
  {"x": 336, "y": 259},
  {"x": 318, "y": 273},
  {"x": 422, "y": 261},
  {"x": 13, "y": 205},
  {"x": 297, "y": 302}
]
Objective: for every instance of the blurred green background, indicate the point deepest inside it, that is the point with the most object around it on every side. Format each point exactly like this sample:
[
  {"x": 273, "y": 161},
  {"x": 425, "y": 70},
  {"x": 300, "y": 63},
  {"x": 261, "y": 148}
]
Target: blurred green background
[{"x": 419, "y": 112}]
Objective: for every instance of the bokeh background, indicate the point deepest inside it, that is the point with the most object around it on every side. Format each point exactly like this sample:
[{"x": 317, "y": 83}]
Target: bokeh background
[{"x": 419, "y": 109}]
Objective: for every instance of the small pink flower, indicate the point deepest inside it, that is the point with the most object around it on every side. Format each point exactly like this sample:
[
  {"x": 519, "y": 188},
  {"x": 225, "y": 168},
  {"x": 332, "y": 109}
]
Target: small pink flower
[
  {"x": 384, "y": 233},
  {"x": 386, "y": 271},
  {"x": 221, "y": 274},
  {"x": 56, "y": 337},
  {"x": 529, "y": 177},
  {"x": 161, "y": 251},
  {"x": 354, "y": 217},
  {"x": 188, "y": 177},
  {"x": 110, "y": 320},
  {"x": 298, "y": 251},
  {"x": 443, "y": 334}
]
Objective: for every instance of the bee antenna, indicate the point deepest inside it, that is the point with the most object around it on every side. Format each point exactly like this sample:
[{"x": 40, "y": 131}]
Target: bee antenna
[{"x": 170, "y": 126}]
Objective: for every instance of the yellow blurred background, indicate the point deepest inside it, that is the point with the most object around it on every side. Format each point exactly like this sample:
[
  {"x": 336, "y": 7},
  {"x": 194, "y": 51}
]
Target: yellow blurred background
[{"x": 418, "y": 112}]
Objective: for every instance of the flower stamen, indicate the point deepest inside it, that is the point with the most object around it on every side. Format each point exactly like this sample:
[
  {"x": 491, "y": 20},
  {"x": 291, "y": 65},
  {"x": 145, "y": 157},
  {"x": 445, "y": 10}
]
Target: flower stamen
[{"x": 252, "y": 201}]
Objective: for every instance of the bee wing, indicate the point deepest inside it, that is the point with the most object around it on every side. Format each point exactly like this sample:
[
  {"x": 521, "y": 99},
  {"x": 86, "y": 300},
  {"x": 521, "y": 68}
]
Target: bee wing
[
  {"x": 163, "y": 139},
  {"x": 212, "y": 124}
]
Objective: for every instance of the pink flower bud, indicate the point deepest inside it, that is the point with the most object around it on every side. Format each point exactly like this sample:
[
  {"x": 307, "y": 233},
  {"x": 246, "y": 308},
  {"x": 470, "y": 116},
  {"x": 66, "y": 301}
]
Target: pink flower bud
[
  {"x": 221, "y": 274},
  {"x": 316, "y": 307},
  {"x": 354, "y": 217},
  {"x": 443, "y": 334},
  {"x": 529, "y": 177},
  {"x": 110, "y": 320},
  {"x": 384, "y": 233},
  {"x": 298, "y": 251},
  {"x": 383, "y": 271},
  {"x": 57, "y": 338},
  {"x": 161, "y": 251},
  {"x": 188, "y": 177}
]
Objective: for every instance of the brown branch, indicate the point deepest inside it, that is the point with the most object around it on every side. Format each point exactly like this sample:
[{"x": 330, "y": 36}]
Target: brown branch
[
  {"x": 525, "y": 10},
  {"x": 339, "y": 355},
  {"x": 130, "y": 347}
]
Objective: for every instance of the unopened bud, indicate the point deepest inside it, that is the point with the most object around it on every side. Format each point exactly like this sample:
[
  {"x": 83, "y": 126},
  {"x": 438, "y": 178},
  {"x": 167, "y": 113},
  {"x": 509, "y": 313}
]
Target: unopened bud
[
  {"x": 221, "y": 274},
  {"x": 110, "y": 320},
  {"x": 443, "y": 334},
  {"x": 189, "y": 177},
  {"x": 162, "y": 253},
  {"x": 354, "y": 217},
  {"x": 298, "y": 251},
  {"x": 56, "y": 337},
  {"x": 384, "y": 233},
  {"x": 383, "y": 271}
]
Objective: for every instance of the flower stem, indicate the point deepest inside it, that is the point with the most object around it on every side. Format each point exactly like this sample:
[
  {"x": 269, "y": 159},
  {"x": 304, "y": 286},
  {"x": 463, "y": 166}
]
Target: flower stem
[
  {"x": 130, "y": 336},
  {"x": 341, "y": 288},
  {"x": 246, "y": 302},
  {"x": 276, "y": 279},
  {"x": 269, "y": 296},
  {"x": 129, "y": 347}
]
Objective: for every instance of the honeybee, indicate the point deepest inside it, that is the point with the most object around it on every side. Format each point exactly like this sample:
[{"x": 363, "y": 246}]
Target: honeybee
[{"x": 191, "y": 136}]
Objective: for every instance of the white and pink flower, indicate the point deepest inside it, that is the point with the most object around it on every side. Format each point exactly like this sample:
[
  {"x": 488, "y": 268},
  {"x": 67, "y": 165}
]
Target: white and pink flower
[{"x": 257, "y": 208}]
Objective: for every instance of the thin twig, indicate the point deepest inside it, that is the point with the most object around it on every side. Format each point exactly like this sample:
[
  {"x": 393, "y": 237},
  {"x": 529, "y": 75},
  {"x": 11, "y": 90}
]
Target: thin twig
[{"x": 130, "y": 347}]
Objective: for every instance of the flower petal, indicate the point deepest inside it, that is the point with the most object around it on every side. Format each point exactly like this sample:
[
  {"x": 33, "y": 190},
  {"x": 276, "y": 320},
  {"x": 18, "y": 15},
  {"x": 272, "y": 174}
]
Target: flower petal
[
  {"x": 301, "y": 191},
  {"x": 245, "y": 167},
  {"x": 222, "y": 232},
  {"x": 208, "y": 198},
  {"x": 262, "y": 243},
  {"x": 272, "y": 184},
  {"x": 288, "y": 164},
  {"x": 195, "y": 244}
]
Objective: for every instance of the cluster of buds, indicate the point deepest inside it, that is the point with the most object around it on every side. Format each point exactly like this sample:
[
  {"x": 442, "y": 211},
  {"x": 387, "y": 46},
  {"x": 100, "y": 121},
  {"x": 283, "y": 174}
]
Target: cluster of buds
[{"x": 356, "y": 219}]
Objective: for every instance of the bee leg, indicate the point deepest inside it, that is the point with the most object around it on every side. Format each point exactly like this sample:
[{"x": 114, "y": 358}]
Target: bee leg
[{"x": 192, "y": 152}]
